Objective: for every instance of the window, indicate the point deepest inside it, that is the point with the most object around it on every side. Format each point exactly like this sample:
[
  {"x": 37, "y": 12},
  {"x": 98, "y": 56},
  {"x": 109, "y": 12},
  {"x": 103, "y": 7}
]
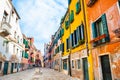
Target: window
[
  {"x": 100, "y": 28},
  {"x": 62, "y": 47},
  {"x": 68, "y": 43},
  {"x": 15, "y": 34},
  {"x": 0, "y": 65},
  {"x": 17, "y": 51},
  {"x": 16, "y": 20},
  {"x": 65, "y": 64},
  {"x": 18, "y": 39},
  {"x": 61, "y": 32},
  {"x": 75, "y": 37},
  {"x": 73, "y": 65},
  {"x": 78, "y": 7},
  {"x": 72, "y": 39},
  {"x": 71, "y": 16},
  {"x": 91, "y": 3},
  {"x": 81, "y": 36},
  {"x": 67, "y": 24},
  {"x": 5, "y": 16},
  {"x": 7, "y": 47},
  {"x": 78, "y": 64}
]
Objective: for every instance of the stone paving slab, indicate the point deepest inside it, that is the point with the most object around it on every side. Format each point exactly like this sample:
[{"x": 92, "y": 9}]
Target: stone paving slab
[{"x": 34, "y": 74}]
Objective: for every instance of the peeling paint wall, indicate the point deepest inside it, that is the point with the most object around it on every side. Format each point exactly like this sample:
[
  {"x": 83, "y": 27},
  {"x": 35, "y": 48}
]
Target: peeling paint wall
[{"x": 112, "y": 48}]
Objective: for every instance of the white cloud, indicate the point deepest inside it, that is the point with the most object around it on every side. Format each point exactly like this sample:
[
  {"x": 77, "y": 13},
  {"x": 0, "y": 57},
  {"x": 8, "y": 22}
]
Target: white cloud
[{"x": 40, "y": 18}]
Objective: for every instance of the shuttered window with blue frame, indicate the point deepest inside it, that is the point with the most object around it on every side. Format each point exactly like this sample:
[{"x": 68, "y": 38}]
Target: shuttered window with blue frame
[
  {"x": 67, "y": 24},
  {"x": 78, "y": 7},
  {"x": 67, "y": 43},
  {"x": 81, "y": 34},
  {"x": 71, "y": 16},
  {"x": 99, "y": 28}
]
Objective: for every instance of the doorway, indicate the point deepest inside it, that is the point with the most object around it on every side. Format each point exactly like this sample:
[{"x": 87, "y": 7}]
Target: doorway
[
  {"x": 5, "y": 68},
  {"x": 85, "y": 69},
  {"x": 105, "y": 65}
]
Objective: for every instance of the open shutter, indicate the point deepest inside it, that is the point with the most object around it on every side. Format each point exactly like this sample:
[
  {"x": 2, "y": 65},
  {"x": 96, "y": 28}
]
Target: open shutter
[
  {"x": 94, "y": 33},
  {"x": 105, "y": 27},
  {"x": 82, "y": 32}
]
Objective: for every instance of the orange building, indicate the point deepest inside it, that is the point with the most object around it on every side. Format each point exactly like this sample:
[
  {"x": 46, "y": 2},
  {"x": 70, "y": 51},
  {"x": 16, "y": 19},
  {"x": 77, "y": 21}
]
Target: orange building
[{"x": 104, "y": 29}]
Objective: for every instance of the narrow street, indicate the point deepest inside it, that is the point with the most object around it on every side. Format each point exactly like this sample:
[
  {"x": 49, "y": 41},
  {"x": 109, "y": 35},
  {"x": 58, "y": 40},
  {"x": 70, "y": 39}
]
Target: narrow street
[{"x": 32, "y": 74}]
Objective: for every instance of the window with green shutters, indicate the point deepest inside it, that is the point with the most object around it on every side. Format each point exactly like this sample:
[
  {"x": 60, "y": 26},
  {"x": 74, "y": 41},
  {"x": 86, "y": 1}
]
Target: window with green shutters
[
  {"x": 26, "y": 55},
  {"x": 67, "y": 43},
  {"x": 75, "y": 37},
  {"x": 100, "y": 28},
  {"x": 71, "y": 16},
  {"x": 62, "y": 47},
  {"x": 78, "y": 7},
  {"x": 62, "y": 32},
  {"x": 26, "y": 43},
  {"x": 66, "y": 24},
  {"x": 81, "y": 34}
]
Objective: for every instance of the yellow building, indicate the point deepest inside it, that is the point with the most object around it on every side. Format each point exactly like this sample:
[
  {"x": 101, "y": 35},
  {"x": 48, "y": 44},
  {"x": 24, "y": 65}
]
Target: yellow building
[
  {"x": 80, "y": 57},
  {"x": 66, "y": 43}
]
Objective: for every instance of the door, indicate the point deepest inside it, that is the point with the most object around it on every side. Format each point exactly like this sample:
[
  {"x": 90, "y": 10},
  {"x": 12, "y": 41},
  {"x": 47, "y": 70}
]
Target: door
[
  {"x": 12, "y": 66},
  {"x": 85, "y": 69},
  {"x": 106, "y": 71},
  {"x": 5, "y": 68}
]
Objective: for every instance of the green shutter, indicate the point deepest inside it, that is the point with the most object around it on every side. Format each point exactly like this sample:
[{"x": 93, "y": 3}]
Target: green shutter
[
  {"x": 24, "y": 41},
  {"x": 66, "y": 24},
  {"x": 83, "y": 35},
  {"x": 105, "y": 27},
  {"x": 94, "y": 32},
  {"x": 71, "y": 16},
  {"x": 23, "y": 54},
  {"x": 69, "y": 1},
  {"x": 78, "y": 7}
]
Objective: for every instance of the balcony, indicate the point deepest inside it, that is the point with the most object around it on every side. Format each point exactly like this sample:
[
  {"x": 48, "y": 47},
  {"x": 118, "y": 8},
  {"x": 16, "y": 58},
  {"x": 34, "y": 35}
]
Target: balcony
[{"x": 5, "y": 29}]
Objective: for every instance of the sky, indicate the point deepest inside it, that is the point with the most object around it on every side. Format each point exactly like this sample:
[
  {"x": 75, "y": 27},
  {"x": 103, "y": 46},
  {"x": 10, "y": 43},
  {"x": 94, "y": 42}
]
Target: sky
[{"x": 40, "y": 18}]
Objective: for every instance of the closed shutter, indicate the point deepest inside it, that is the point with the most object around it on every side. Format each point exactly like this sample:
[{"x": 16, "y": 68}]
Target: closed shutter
[
  {"x": 66, "y": 24},
  {"x": 78, "y": 7},
  {"x": 72, "y": 16},
  {"x": 105, "y": 27}
]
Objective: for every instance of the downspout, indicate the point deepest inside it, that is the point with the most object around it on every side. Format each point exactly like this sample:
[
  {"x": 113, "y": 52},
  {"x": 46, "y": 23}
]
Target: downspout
[{"x": 86, "y": 34}]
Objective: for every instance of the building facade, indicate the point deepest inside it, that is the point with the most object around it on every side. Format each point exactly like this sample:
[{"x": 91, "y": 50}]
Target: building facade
[
  {"x": 104, "y": 30},
  {"x": 11, "y": 39}
]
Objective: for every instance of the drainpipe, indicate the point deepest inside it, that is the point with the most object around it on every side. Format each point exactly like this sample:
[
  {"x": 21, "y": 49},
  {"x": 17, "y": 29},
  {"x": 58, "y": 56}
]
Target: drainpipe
[
  {"x": 85, "y": 27},
  {"x": 69, "y": 57}
]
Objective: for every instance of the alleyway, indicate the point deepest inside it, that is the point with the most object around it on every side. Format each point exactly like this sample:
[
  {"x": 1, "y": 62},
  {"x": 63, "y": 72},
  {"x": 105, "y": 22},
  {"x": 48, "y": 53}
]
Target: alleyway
[{"x": 47, "y": 74}]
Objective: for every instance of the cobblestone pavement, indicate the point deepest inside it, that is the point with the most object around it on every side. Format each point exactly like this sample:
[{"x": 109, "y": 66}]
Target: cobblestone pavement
[{"x": 34, "y": 74}]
